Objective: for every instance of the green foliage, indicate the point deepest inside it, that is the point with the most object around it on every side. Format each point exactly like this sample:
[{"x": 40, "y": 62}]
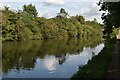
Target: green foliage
[
  {"x": 81, "y": 19},
  {"x": 62, "y": 14},
  {"x": 114, "y": 33},
  {"x": 30, "y": 9},
  {"x": 23, "y": 25},
  {"x": 111, "y": 18},
  {"x": 6, "y": 8},
  {"x": 19, "y": 26}
]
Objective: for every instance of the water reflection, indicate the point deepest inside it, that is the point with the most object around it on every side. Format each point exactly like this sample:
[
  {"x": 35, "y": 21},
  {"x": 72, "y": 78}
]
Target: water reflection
[
  {"x": 49, "y": 63},
  {"x": 55, "y": 58}
]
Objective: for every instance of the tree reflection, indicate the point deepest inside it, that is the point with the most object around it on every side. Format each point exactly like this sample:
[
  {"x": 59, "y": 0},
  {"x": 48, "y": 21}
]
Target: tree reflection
[
  {"x": 23, "y": 55},
  {"x": 61, "y": 59}
]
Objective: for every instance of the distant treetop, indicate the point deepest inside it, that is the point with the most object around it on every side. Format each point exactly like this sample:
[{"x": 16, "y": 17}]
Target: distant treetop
[{"x": 62, "y": 14}]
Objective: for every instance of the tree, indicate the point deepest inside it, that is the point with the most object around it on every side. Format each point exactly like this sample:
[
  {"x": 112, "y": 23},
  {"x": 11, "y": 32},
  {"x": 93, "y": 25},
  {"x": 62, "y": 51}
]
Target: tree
[
  {"x": 63, "y": 13},
  {"x": 111, "y": 15},
  {"x": 30, "y": 9},
  {"x": 6, "y": 8},
  {"x": 23, "y": 25},
  {"x": 81, "y": 19}
]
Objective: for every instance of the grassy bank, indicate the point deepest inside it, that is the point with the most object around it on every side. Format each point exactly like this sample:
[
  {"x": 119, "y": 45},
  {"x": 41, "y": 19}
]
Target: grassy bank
[{"x": 97, "y": 67}]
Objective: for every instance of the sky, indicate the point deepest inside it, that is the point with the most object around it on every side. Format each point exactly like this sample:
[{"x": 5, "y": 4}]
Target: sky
[{"x": 49, "y": 8}]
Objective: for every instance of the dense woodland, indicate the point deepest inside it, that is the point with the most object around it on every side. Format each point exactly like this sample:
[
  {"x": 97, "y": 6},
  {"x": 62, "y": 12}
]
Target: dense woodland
[{"x": 25, "y": 24}]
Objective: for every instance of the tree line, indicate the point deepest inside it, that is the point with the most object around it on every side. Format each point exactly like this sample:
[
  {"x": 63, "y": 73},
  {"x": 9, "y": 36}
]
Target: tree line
[{"x": 25, "y": 24}]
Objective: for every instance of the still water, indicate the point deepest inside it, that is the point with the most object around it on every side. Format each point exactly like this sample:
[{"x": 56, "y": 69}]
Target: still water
[{"x": 55, "y": 58}]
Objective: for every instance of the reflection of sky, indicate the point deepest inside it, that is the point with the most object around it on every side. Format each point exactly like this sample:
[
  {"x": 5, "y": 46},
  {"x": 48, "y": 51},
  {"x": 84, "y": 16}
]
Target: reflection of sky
[
  {"x": 49, "y": 63},
  {"x": 85, "y": 55},
  {"x": 49, "y": 66}
]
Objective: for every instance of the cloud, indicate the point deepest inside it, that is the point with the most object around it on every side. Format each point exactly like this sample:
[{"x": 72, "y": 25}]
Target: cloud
[
  {"x": 20, "y": 1},
  {"x": 54, "y": 2},
  {"x": 45, "y": 14},
  {"x": 50, "y": 63},
  {"x": 88, "y": 10},
  {"x": 3, "y": 5},
  {"x": 92, "y": 10},
  {"x": 87, "y": 53}
]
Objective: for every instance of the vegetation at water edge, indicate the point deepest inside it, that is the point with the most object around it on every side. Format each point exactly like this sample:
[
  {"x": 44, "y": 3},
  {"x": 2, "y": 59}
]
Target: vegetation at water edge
[{"x": 25, "y": 25}]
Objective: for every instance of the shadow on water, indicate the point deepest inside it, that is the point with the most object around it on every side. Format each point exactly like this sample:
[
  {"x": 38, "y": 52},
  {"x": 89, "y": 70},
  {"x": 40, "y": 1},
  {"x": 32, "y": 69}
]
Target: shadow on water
[{"x": 26, "y": 55}]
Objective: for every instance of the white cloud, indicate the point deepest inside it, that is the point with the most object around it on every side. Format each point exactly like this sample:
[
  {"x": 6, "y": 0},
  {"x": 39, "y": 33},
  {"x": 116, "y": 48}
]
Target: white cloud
[
  {"x": 88, "y": 10},
  {"x": 3, "y": 5},
  {"x": 54, "y": 2},
  {"x": 45, "y": 14},
  {"x": 92, "y": 10},
  {"x": 92, "y": 17},
  {"x": 49, "y": 63},
  {"x": 82, "y": 0},
  {"x": 20, "y": 0}
]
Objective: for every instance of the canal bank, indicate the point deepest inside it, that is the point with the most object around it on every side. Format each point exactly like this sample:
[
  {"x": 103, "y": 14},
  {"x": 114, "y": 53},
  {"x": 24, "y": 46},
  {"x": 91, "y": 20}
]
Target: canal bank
[
  {"x": 97, "y": 67},
  {"x": 114, "y": 66}
]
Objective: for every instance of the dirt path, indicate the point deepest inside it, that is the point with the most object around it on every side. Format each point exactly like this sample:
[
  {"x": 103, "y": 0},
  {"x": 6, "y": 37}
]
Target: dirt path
[{"x": 114, "y": 67}]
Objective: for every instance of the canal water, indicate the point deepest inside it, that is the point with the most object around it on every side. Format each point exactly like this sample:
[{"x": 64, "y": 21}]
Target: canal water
[{"x": 54, "y": 58}]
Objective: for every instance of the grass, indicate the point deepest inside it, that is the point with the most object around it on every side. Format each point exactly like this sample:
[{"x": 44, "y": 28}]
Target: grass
[{"x": 97, "y": 67}]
